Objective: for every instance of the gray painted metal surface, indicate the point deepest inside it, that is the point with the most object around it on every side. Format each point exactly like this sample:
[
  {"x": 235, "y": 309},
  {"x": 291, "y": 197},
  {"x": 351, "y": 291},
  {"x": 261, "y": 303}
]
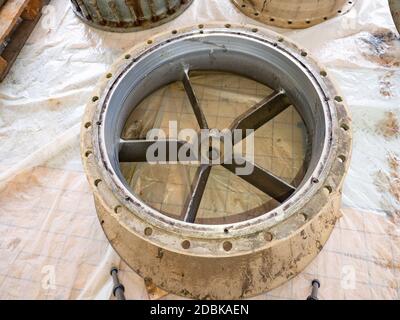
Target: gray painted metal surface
[
  {"x": 235, "y": 53},
  {"x": 128, "y": 15}
]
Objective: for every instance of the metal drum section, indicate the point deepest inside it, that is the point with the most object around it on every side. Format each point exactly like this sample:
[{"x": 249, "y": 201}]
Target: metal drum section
[
  {"x": 128, "y": 15},
  {"x": 293, "y": 14},
  {"x": 217, "y": 258}
]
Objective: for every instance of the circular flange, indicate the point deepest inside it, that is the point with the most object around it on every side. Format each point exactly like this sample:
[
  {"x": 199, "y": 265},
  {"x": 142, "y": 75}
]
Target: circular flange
[
  {"x": 128, "y": 16},
  {"x": 293, "y": 14},
  {"x": 218, "y": 261}
]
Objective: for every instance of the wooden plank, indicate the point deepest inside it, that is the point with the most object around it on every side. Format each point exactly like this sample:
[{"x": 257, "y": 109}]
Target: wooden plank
[
  {"x": 32, "y": 9},
  {"x": 19, "y": 37},
  {"x": 9, "y": 15},
  {"x": 3, "y": 65}
]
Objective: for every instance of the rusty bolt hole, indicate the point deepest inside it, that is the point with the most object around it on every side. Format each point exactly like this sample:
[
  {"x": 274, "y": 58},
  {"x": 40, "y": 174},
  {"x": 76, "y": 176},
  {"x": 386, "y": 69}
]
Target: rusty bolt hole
[
  {"x": 186, "y": 244},
  {"x": 148, "y": 231},
  {"x": 227, "y": 246}
]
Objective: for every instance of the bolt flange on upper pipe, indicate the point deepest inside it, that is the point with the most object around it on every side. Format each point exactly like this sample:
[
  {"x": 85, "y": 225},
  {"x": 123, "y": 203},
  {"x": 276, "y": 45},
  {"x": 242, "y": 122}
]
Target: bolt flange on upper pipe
[
  {"x": 293, "y": 14},
  {"x": 128, "y": 15}
]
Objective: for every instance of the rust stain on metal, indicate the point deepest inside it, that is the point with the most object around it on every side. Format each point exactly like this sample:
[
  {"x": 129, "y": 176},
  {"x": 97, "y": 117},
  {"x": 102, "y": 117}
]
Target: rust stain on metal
[
  {"x": 128, "y": 15},
  {"x": 153, "y": 291}
]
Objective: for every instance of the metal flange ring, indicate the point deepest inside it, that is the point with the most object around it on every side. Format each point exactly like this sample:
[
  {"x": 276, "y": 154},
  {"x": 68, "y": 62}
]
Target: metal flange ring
[
  {"x": 293, "y": 14},
  {"x": 130, "y": 15},
  {"x": 234, "y": 260}
]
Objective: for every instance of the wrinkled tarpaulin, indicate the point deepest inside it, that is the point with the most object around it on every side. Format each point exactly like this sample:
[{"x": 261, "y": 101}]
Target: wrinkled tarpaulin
[{"x": 51, "y": 244}]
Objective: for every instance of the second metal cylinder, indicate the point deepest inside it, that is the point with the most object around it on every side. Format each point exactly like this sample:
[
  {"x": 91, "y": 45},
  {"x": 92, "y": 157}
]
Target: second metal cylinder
[{"x": 128, "y": 15}]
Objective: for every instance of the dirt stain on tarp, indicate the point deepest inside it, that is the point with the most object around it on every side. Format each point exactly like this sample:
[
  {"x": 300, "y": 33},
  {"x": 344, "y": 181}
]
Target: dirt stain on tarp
[
  {"x": 389, "y": 126},
  {"x": 54, "y": 104},
  {"x": 388, "y": 183},
  {"x": 394, "y": 186},
  {"x": 389, "y": 265},
  {"x": 13, "y": 244},
  {"x": 385, "y": 83},
  {"x": 381, "y": 47}
]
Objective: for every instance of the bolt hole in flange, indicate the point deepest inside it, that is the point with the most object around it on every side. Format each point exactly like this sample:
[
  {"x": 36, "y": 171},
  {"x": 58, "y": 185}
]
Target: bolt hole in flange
[{"x": 225, "y": 78}]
